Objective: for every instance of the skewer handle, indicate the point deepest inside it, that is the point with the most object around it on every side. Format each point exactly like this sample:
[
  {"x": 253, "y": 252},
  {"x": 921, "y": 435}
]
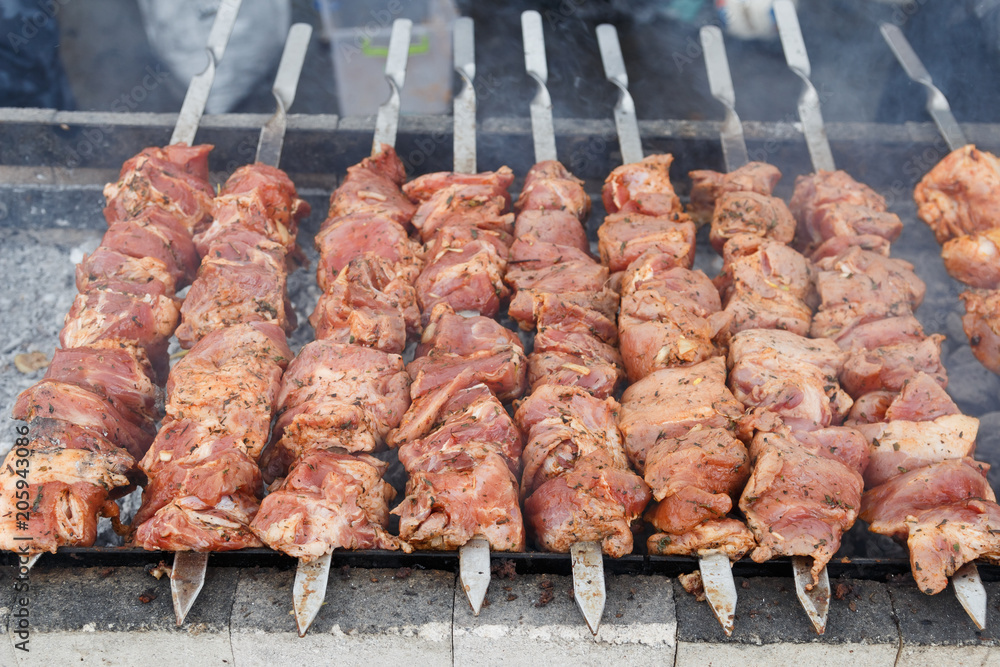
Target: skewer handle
[
  {"x": 614, "y": 70},
  {"x": 286, "y": 82},
  {"x": 542, "y": 129},
  {"x": 720, "y": 82},
  {"x": 387, "y": 121},
  {"x": 809, "y": 104},
  {"x": 201, "y": 84},
  {"x": 937, "y": 103},
  {"x": 464, "y": 146}
]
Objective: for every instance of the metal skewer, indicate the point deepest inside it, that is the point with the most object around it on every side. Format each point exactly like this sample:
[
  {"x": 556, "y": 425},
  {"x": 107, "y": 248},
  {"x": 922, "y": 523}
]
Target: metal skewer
[
  {"x": 614, "y": 69},
  {"x": 937, "y": 103},
  {"x": 586, "y": 558},
  {"x": 968, "y": 586},
  {"x": 188, "y": 574},
  {"x": 814, "y": 597},
  {"x": 309, "y": 589},
  {"x": 716, "y": 568},
  {"x": 474, "y": 555}
]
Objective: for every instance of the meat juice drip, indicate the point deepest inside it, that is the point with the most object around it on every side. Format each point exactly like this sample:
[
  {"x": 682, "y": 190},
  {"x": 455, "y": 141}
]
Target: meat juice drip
[
  {"x": 205, "y": 483},
  {"x": 922, "y": 486},
  {"x": 805, "y": 486},
  {"x": 94, "y": 414},
  {"x": 457, "y": 441},
  {"x": 348, "y": 389},
  {"x": 576, "y": 483}
]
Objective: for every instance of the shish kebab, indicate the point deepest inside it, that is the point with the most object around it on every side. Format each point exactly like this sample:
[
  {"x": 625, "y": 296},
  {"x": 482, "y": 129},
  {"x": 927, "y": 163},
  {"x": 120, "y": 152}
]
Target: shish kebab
[
  {"x": 162, "y": 198},
  {"x": 959, "y": 200},
  {"x": 328, "y": 490},
  {"x": 233, "y": 321},
  {"x": 659, "y": 343},
  {"x": 894, "y": 352}
]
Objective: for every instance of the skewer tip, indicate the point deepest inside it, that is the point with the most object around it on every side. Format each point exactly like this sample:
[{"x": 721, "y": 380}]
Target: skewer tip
[
  {"x": 720, "y": 589},
  {"x": 971, "y": 593},
  {"x": 814, "y": 598},
  {"x": 474, "y": 571},
  {"x": 588, "y": 582},
  {"x": 186, "y": 581},
  {"x": 309, "y": 591}
]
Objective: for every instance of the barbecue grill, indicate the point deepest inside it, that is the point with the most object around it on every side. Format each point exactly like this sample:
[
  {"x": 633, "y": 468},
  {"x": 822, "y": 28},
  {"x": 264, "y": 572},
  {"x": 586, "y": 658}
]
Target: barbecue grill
[{"x": 54, "y": 165}]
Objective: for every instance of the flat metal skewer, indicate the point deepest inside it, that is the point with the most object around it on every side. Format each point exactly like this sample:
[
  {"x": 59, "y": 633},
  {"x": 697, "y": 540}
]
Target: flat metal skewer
[
  {"x": 188, "y": 574},
  {"x": 614, "y": 69},
  {"x": 937, "y": 103},
  {"x": 201, "y": 84},
  {"x": 814, "y": 597},
  {"x": 585, "y": 557},
  {"x": 309, "y": 589},
  {"x": 809, "y": 103},
  {"x": 716, "y": 568},
  {"x": 968, "y": 585}
]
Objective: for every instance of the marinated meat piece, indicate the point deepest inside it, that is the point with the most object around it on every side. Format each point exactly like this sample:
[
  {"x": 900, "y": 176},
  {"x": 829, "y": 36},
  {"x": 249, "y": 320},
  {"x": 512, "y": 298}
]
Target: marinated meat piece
[
  {"x": 111, "y": 270},
  {"x": 549, "y": 186},
  {"x": 229, "y": 383},
  {"x": 840, "y": 443},
  {"x": 51, "y": 399},
  {"x": 596, "y": 375},
  {"x": 469, "y": 279},
  {"x": 974, "y": 259},
  {"x": 363, "y": 232},
  {"x": 960, "y": 195},
  {"x": 173, "y": 178},
  {"x": 480, "y": 205},
  {"x": 981, "y": 323},
  {"x": 154, "y": 233},
  {"x": 624, "y": 237},
  {"x": 790, "y": 376},
  {"x": 573, "y": 276},
  {"x": 816, "y": 192},
  {"x": 670, "y": 402},
  {"x": 456, "y": 491},
  {"x": 890, "y": 366},
  {"x": 845, "y": 220},
  {"x": 534, "y": 305},
  {"x": 423, "y": 188},
  {"x": 331, "y": 500},
  {"x": 368, "y": 305},
  {"x": 922, "y": 399},
  {"x": 798, "y": 502},
  {"x": 691, "y": 290},
  {"x": 839, "y": 244},
  {"x": 887, "y": 331},
  {"x": 72, "y": 471},
  {"x": 533, "y": 254},
  {"x": 373, "y": 187},
  {"x": 251, "y": 287},
  {"x": 943, "y": 539},
  {"x": 642, "y": 187},
  {"x": 587, "y": 504},
  {"x": 104, "y": 315},
  {"x": 551, "y": 226},
  {"x": 336, "y": 395},
  {"x": 899, "y": 446},
  {"x": 707, "y": 186},
  {"x": 119, "y": 374},
  {"x": 727, "y": 536},
  {"x": 750, "y": 213},
  {"x": 566, "y": 427},
  {"x": 694, "y": 478}
]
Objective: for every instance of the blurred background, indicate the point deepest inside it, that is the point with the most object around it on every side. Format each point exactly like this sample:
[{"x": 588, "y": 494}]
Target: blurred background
[{"x": 137, "y": 55}]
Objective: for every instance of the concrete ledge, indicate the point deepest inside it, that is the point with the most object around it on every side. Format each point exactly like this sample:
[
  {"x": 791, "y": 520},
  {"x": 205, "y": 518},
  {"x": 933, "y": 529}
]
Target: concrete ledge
[
  {"x": 371, "y": 617},
  {"x": 771, "y": 627},
  {"x": 936, "y": 631},
  {"x": 533, "y": 620}
]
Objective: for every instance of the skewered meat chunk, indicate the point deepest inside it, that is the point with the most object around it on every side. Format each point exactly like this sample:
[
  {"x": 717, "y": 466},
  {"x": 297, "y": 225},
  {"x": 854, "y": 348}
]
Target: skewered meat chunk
[
  {"x": 727, "y": 536},
  {"x": 946, "y": 512},
  {"x": 72, "y": 474},
  {"x": 802, "y": 496},
  {"x": 153, "y": 233},
  {"x": 839, "y": 244},
  {"x": 368, "y": 305},
  {"x": 113, "y": 270},
  {"x": 922, "y": 398},
  {"x": 424, "y": 188},
  {"x": 468, "y": 277},
  {"x": 336, "y": 396},
  {"x": 566, "y": 425},
  {"x": 764, "y": 285},
  {"x": 981, "y": 323},
  {"x": 173, "y": 178},
  {"x": 464, "y": 200},
  {"x": 889, "y": 366},
  {"x": 817, "y": 200},
  {"x": 557, "y": 227},
  {"x": 372, "y": 187},
  {"x": 330, "y": 500},
  {"x": 625, "y": 236},
  {"x": 549, "y": 186},
  {"x": 574, "y": 358},
  {"x": 708, "y": 186},
  {"x": 643, "y": 187},
  {"x": 974, "y": 259},
  {"x": 899, "y": 445},
  {"x": 670, "y": 402},
  {"x": 960, "y": 194},
  {"x": 342, "y": 239},
  {"x": 750, "y": 213},
  {"x": 593, "y": 309},
  {"x": 790, "y": 376}
]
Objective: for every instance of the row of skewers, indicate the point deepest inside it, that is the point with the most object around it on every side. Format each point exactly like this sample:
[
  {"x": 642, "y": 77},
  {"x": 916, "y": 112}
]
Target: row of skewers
[{"x": 433, "y": 260}]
